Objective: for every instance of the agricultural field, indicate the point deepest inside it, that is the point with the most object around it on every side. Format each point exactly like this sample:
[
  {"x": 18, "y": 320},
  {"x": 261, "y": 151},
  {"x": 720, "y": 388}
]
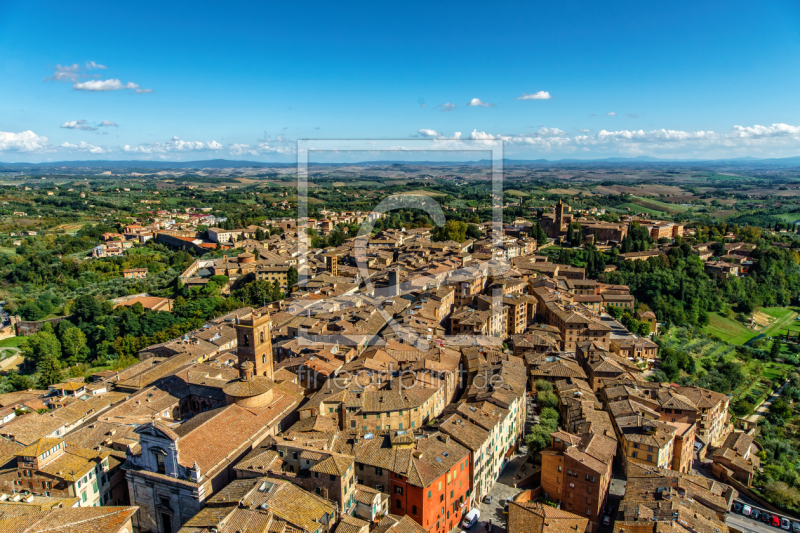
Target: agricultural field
[
  {"x": 784, "y": 320},
  {"x": 729, "y": 329},
  {"x": 660, "y": 206},
  {"x": 649, "y": 189},
  {"x": 564, "y": 191},
  {"x": 636, "y": 208}
]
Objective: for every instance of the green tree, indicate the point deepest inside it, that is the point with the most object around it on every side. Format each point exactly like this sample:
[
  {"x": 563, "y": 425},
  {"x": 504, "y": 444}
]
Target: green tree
[
  {"x": 40, "y": 346},
  {"x": 782, "y": 494},
  {"x": 50, "y": 371},
  {"x": 453, "y": 230},
  {"x": 73, "y": 346},
  {"x": 547, "y": 399},
  {"x": 291, "y": 277},
  {"x": 775, "y": 349}
]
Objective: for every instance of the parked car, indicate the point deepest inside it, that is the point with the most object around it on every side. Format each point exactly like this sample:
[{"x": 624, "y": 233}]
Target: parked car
[
  {"x": 607, "y": 520},
  {"x": 737, "y": 507},
  {"x": 795, "y": 527},
  {"x": 785, "y": 524},
  {"x": 754, "y": 514},
  {"x": 765, "y": 517},
  {"x": 776, "y": 522},
  {"x": 488, "y": 499},
  {"x": 471, "y": 518},
  {"x": 747, "y": 510}
]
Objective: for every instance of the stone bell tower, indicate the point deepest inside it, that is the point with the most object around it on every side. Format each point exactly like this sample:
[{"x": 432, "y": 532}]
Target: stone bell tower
[{"x": 254, "y": 338}]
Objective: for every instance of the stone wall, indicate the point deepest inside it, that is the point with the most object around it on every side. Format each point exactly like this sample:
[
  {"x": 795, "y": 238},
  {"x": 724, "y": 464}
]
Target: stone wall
[{"x": 26, "y": 328}]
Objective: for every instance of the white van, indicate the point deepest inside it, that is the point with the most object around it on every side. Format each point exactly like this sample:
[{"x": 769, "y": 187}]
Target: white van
[
  {"x": 746, "y": 510},
  {"x": 471, "y": 518}
]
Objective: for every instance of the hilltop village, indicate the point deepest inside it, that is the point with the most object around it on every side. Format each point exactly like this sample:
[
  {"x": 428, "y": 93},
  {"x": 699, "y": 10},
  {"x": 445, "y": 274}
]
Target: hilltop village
[{"x": 398, "y": 380}]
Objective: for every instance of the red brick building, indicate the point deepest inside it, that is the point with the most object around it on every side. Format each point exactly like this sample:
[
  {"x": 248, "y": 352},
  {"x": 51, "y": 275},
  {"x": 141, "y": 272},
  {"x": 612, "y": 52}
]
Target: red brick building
[
  {"x": 576, "y": 471},
  {"x": 427, "y": 476}
]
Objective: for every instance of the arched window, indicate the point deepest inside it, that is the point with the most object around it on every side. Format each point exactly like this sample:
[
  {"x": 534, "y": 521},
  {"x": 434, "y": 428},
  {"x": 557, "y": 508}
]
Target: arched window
[
  {"x": 246, "y": 340},
  {"x": 264, "y": 358},
  {"x": 262, "y": 336}
]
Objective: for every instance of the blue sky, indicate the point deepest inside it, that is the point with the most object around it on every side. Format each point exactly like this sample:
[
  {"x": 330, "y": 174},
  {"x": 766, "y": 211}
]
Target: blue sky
[{"x": 195, "y": 80}]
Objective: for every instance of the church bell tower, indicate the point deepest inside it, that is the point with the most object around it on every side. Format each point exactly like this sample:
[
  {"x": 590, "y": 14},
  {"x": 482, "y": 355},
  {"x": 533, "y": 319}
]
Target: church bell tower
[{"x": 254, "y": 338}]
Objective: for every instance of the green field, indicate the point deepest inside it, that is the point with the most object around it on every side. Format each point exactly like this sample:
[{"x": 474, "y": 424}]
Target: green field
[
  {"x": 728, "y": 329},
  {"x": 636, "y": 208},
  {"x": 9, "y": 251},
  {"x": 515, "y": 192},
  {"x": 789, "y": 217},
  {"x": 785, "y": 320},
  {"x": 12, "y": 342},
  {"x": 661, "y": 206}
]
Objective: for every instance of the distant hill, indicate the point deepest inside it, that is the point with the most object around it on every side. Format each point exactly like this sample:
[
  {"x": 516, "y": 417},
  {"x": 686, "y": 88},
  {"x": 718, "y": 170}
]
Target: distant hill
[{"x": 227, "y": 163}]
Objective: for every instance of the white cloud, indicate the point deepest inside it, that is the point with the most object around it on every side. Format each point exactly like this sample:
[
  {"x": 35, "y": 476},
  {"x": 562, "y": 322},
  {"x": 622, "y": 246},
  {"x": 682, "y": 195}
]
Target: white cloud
[
  {"x": 777, "y": 140},
  {"x": 457, "y": 135},
  {"x": 78, "y": 125},
  {"x": 476, "y": 102},
  {"x": 24, "y": 141},
  {"x": 173, "y": 145},
  {"x": 550, "y": 131},
  {"x": 611, "y": 114},
  {"x": 104, "y": 85},
  {"x": 269, "y": 148},
  {"x": 108, "y": 124},
  {"x": 447, "y": 107},
  {"x": 429, "y": 133},
  {"x": 541, "y": 95},
  {"x": 73, "y": 72},
  {"x": 481, "y": 136},
  {"x": 83, "y": 146},
  {"x": 241, "y": 149},
  {"x": 756, "y": 132}
]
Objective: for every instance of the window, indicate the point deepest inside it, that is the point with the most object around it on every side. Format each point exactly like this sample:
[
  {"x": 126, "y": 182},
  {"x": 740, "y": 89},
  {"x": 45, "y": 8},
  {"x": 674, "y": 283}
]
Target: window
[
  {"x": 588, "y": 511},
  {"x": 318, "y": 491},
  {"x": 399, "y": 504},
  {"x": 635, "y": 455},
  {"x": 429, "y": 494},
  {"x": 413, "y": 509},
  {"x": 559, "y": 468},
  {"x": 333, "y": 478},
  {"x": 83, "y": 497},
  {"x": 649, "y": 458},
  {"x": 361, "y": 466},
  {"x": 398, "y": 490},
  {"x": 294, "y": 455},
  {"x": 280, "y": 453},
  {"x": 378, "y": 471}
]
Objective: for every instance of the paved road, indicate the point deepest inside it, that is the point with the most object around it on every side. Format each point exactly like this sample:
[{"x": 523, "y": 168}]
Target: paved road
[
  {"x": 748, "y": 525},
  {"x": 502, "y": 490},
  {"x": 762, "y": 408}
]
